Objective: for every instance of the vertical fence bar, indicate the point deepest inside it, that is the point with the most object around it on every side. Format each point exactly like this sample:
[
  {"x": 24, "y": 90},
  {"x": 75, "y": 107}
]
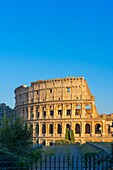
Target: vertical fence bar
[
  {"x": 98, "y": 163},
  {"x": 106, "y": 162},
  {"x": 86, "y": 163},
  {"x": 89, "y": 160},
  {"x": 102, "y": 162},
  {"x": 77, "y": 162},
  {"x": 72, "y": 162},
  {"x": 94, "y": 162},
  {"x": 36, "y": 164},
  {"x": 50, "y": 162},
  {"x": 68, "y": 162},
  {"x": 81, "y": 163},
  {"x": 59, "y": 161},
  {"x": 32, "y": 163},
  {"x": 63, "y": 161},
  {"x": 45, "y": 162},
  {"x": 41, "y": 162},
  {"x": 112, "y": 151},
  {"x": 55, "y": 162}
]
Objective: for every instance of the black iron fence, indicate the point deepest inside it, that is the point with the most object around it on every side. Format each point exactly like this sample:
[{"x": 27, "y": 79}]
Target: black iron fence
[{"x": 60, "y": 162}]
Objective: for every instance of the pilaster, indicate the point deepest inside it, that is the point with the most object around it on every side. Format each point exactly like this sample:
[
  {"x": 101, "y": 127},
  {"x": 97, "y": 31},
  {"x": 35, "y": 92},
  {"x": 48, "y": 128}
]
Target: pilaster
[
  {"x": 82, "y": 126},
  {"x": 29, "y": 113},
  {"x": 92, "y": 128}
]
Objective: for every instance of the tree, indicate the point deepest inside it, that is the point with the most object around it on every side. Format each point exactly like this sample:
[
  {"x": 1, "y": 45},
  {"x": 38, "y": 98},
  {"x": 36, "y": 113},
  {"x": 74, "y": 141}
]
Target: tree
[
  {"x": 67, "y": 134},
  {"x": 70, "y": 135},
  {"x": 15, "y": 135}
]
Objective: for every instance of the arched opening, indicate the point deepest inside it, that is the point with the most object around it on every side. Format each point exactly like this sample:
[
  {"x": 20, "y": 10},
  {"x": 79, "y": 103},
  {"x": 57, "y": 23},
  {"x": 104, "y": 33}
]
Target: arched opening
[
  {"x": 44, "y": 143},
  {"x": 68, "y": 126},
  {"x": 87, "y": 129},
  {"x": 51, "y": 129},
  {"x": 88, "y": 109},
  {"x": 97, "y": 129},
  {"x": 109, "y": 129},
  {"x": 31, "y": 128},
  {"x": 78, "y": 110},
  {"x": 59, "y": 130},
  {"x": 51, "y": 143},
  {"x": 77, "y": 129},
  {"x": 37, "y": 112},
  {"x": 37, "y": 129},
  {"x": 43, "y": 128}
]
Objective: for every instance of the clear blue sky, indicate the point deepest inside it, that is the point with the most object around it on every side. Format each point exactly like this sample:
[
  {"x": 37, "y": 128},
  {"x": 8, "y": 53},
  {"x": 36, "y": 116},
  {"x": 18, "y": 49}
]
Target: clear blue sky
[{"x": 42, "y": 39}]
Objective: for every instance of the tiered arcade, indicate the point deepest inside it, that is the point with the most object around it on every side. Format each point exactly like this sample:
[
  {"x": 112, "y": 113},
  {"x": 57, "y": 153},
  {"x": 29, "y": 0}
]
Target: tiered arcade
[{"x": 51, "y": 106}]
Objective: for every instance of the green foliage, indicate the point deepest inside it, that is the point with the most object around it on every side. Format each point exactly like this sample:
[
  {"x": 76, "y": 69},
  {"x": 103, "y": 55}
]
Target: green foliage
[
  {"x": 69, "y": 135},
  {"x": 72, "y": 136},
  {"x": 15, "y": 135}
]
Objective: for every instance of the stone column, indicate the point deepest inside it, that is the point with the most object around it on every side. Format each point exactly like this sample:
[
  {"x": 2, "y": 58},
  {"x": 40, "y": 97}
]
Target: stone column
[
  {"x": 29, "y": 113},
  {"x": 103, "y": 128},
  {"x": 47, "y": 129},
  {"x": 55, "y": 111},
  {"x": 74, "y": 107},
  {"x": 92, "y": 128},
  {"x": 92, "y": 109},
  {"x": 40, "y": 129},
  {"x": 63, "y": 111},
  {"x": 63, "y": 129},
  {"x": 34, "y": 112},
  {"x": 82, "y": 127},
  {"x": 73, "y": 127},
  {"x": 82, "y": 110},
  {"x": 40, "y": 110},
  {"x": 55, "y": 129},
  {"x": 34, "y": 130},
  {"x": 47, "y": 111}
]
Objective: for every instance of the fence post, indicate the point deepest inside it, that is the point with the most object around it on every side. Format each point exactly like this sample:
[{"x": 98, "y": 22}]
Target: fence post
[
  {"x": 90, "y": 162},
  {"x": 112, "y": 151}
]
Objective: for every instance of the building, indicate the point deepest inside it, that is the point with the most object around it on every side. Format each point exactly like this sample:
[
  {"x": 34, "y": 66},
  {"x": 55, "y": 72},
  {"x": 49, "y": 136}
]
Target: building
[
  {"x": 51, "y": 106},
  {"x": 6, "y": 110}
]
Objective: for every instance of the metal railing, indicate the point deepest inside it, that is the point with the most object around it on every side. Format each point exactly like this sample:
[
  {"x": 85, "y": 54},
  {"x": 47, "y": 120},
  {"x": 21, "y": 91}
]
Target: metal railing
[{"x": 58, "y": 162}]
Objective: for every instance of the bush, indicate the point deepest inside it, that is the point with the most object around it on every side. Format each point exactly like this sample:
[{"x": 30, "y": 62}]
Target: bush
[{"x": 15, "y": 136}]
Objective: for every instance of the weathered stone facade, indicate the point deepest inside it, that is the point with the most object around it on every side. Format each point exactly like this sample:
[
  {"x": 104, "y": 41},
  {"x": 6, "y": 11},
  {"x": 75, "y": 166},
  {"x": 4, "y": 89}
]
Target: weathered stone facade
[{"x": 52, "y": 105}]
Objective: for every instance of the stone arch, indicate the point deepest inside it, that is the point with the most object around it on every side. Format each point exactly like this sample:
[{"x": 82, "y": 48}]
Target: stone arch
[
  {"x": 37, "y": 129},
  {"x": 109, "y": 131},
  {"x": 88, "y": 109},
  {"x": 77, "y": 128},
  {"x": 43, "y": 128},
  {"x": 78, "y": 109},
  {"x": 87, "y": 128},
  {"x": 68, "y": 126},
  {"x": 98, "y": 128},
  {"x": 59, "y": 129},
  {"x": 31, "y": 127},
  {"x": 51, "y": 129},
  {"x": 51, "y": 143},
  {"x": 37, "y": 112},
  {"x": 44, "y": 143}
]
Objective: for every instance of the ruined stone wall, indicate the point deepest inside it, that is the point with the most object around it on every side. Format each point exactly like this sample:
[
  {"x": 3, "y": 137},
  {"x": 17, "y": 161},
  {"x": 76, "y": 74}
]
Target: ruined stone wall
[{"x": 54, "y": 104}]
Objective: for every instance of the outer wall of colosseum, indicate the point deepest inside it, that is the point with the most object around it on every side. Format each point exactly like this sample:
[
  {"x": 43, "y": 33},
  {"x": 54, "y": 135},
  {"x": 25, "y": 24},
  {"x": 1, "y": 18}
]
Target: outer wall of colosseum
[{"x": 51, "y": 106}]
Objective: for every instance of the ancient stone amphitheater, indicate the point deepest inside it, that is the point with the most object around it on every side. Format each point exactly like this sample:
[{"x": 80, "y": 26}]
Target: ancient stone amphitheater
[{"x": 53, "y": 105}]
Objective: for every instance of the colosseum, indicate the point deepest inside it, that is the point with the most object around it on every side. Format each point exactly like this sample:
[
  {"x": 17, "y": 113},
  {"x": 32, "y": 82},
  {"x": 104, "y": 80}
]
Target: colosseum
[{"x": 53, "y": 105}]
